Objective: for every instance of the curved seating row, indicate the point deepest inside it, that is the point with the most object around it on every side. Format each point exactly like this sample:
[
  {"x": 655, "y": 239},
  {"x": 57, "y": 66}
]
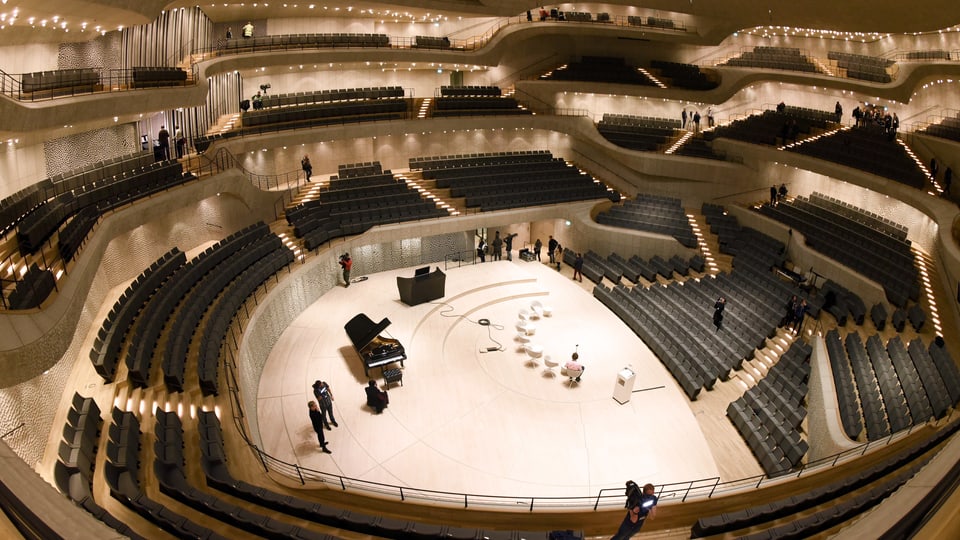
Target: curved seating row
[
  {"x": 294, "y": 41},
  {"x": 105, "y": 354},
  {"x": 60, "y": 81},
  {"x": 475, "y": 160},
  {"x": 162, "y": 307},
  {"x": 475, "y": 105},
  {"x": 463, "y": 91},
  {"x": 326, "y": 96},
  {"x": 758, "y": 515},
  {"x": 599, "y": 69},
  {"x": 654, "y": 214},
  {"x": 320, "y": 113},
  {"x": 32, "y": 289}
]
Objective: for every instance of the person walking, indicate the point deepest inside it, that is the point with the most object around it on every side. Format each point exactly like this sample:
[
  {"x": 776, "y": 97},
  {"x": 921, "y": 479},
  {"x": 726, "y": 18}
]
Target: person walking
[
  {"x": 537, "y": 246},
  {"x": 558, "y": 256},
  {"x": 316, "y": 418},
  {"x": 773, "y": 195},
  {"x": 934, "y": 168},
  {"x": 639, "y": 508},
  {"x": 324, "y": 395},
  {"x": 552, "y": 248},
  {"x": 247, "y": 30},
  {"x": 683, "y": 119},
  {"x": 307, "y": 167},
  {"x": 578, "y": 267},
  {"x": 346, "y": 263},
  {"x": 696, "y": 121},
  {"x": 718, "y": 308},
  {"x": 180, "y": 142},
  {"x": 163, "y": 140},
  {"x": 482, "y": 250}
]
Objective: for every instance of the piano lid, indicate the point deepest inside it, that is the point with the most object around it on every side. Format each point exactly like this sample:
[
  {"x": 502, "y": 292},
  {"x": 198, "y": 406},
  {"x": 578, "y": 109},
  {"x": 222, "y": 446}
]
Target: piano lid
[{"x": 362, "y": 330}]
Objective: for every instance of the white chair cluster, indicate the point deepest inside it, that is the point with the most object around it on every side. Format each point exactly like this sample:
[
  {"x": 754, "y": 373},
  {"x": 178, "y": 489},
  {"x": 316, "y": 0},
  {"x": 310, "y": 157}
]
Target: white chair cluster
[{"x": 526, "y": 328}]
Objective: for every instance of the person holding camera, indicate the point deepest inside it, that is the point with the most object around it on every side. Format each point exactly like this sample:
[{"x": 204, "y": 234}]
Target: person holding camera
[
  {"x": 346, "y": 263},
  {"x": 640, "y": 506}
]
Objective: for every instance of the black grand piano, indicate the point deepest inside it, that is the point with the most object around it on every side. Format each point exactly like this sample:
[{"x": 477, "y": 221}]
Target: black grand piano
[{"x": 374, "y": 350}]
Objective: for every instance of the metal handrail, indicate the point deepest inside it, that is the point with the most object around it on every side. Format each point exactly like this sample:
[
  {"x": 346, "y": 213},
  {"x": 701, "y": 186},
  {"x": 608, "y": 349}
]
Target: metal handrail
[{"x": 108, "y": 81}]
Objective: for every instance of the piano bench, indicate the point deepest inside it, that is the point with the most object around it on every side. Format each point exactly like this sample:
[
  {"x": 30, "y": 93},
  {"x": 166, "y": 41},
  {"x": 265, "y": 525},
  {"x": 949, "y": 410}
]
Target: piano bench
[{"x": 392, "y": 375}]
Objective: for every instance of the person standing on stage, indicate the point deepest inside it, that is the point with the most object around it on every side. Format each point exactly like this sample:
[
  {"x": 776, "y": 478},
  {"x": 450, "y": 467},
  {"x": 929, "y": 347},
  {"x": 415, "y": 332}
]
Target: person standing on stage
[
  {"x": 346, "y": 263},
  {"x": 552, "y": 248},
  {"x": 324, "y": 395},
  {"x": 316, "y": 418}
]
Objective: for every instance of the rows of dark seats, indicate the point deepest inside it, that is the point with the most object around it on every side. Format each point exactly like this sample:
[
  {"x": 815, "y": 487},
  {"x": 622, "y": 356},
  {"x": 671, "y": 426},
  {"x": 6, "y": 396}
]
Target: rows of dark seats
[
  {"x": 151, "y": 77},
  {"x": 234, "y": 296},
  {"x": 15, "y": 207},
  {"x": 768, "y": 416},
  {"x": 431, "y": 42},
  {"x": 948, "y": 128},
  {"x": 884, "y": 259},
  {"x": 122, "y": 474},
  {"x": 931, "y": 54},
  {"x": 657, "y": 22},
  {"x": 860, "y": 215},
  {"x": 653, "y": 213},
  {"x": 631, "y": 120},
  {"x": 214, "y": 464},
  {"x": 162, "y": 307},
  {"x": 636, "y": 134},
  {"x": 842, "y": 303},
  {"x": 599, "y": 69},
  {"x": 74, "y": 468},
  {"x": 300, "y": 41},
  {"x": 890, "y": 473},
  {"x": 868, "y": 148},
  {"x": 476, "y": 105},
  {"x": 462, "y": 91},
  {"x": 32, "y": 288},
  {"x": 498, "y": 181},
  {"x": 698, "y": 147},
  {"x": 676, "y": 321},
  {"x": 770, "y": 128},
  {"x": 107, "y": 346},
  {"x": 614, "y": 267},
  {"x": 169, "y": 467},
  {"x": 359, "y": 198},
  {"x": 473, "y": 160},
  {"x": 252, "y": 264},
  {"x": 896, "y": 387},
  {"x": 686, "y": 76},
  {"x": 61, "y": 81},
  {"x": 43, "y": 221},
  {"x": 858, "y": 66},
  {"x": 74, "y": 233},
  {"x": 326, "y": 96},
  {"x": 787, "y": 58},
  {"x": 325, "y": 113}
]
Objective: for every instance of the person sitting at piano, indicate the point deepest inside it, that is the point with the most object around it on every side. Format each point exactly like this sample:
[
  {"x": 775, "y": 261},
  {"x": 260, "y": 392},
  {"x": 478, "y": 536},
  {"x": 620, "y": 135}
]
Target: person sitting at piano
[{"x": 376, "y": 398}]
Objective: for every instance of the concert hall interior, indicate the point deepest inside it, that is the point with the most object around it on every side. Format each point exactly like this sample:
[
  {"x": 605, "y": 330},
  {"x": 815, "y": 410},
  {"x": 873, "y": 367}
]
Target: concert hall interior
[{"x": 712, "y": 246}]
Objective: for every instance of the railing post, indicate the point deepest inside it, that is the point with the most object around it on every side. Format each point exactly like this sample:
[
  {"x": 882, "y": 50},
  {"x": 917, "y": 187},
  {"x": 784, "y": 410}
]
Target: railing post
[
  {"x": 300, "y": 475},
  {"x": 714, "y": 488}
]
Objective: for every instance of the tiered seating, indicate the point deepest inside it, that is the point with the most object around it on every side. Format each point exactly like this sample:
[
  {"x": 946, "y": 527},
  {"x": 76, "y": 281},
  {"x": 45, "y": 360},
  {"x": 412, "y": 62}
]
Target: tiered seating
[
  {"x": 327, "y": 96},
  {"x": 657, "y": 22},
  {"x": 948, "y": 369},
  {"x": 81, "y": 436},
  {"x": 431, "y": 42},
  {"x": 304, "y": 41},
  {"x": 122, "y": 472},
  {"x": 476, "y": 105},
  {"x": 768, "y": 416},
  {"x": 577, "y": 16},
  {"x": 40, "y": 224},
  {"x": 161, "y": 308},
  {"x": 842, "y": 303},
  {"x": 501, "y": 181},
  {"x": 858, "y": 66},
  {"x": 788, "y": 58},
  {"x": 320, "y": 112},
  {"x": 105, "y": 354},
  {"x": 896, "y": 387},
  {"x": 880, "y": 257},
  {"x": 234, "y": 296},
  {"x": 770, "y": 128},
  {"x": 698, "y": 147},
  {"x": 653, "y": 213},
  {"x": 635, "y": 267},
  {"x": 16, "y": 206},
  {"x": 860, "y": 215},
  {"x": 932, "y": 54},
  {"x": 32, "y": 289},
  {"x": 637, "y": 132},
  {"x": 152, "y": 77},
  {"x": 353, "y": 204},
  {"x": 169, "y": 468},
  {"x": 684, "y": 75},
  {"x": 868, "y": 148},
  {"x": 599, "y": 69},
  {"x": 258, "y": 255},
  {"x": 948, "y": 128},
  {"x": 59, "y": 82},
  {"x": 463, "y": 91}
]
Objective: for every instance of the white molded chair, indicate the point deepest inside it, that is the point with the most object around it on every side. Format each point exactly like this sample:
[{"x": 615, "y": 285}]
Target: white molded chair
[
  {"x": 534, "y": 351},
  {"x": 540, "y": 309},
  {"x": 523, "y": 314},
  {"x": 522, "y": 337},
  {"x": 526, "y": 327},
  {"x": 550, "y": 363}
]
